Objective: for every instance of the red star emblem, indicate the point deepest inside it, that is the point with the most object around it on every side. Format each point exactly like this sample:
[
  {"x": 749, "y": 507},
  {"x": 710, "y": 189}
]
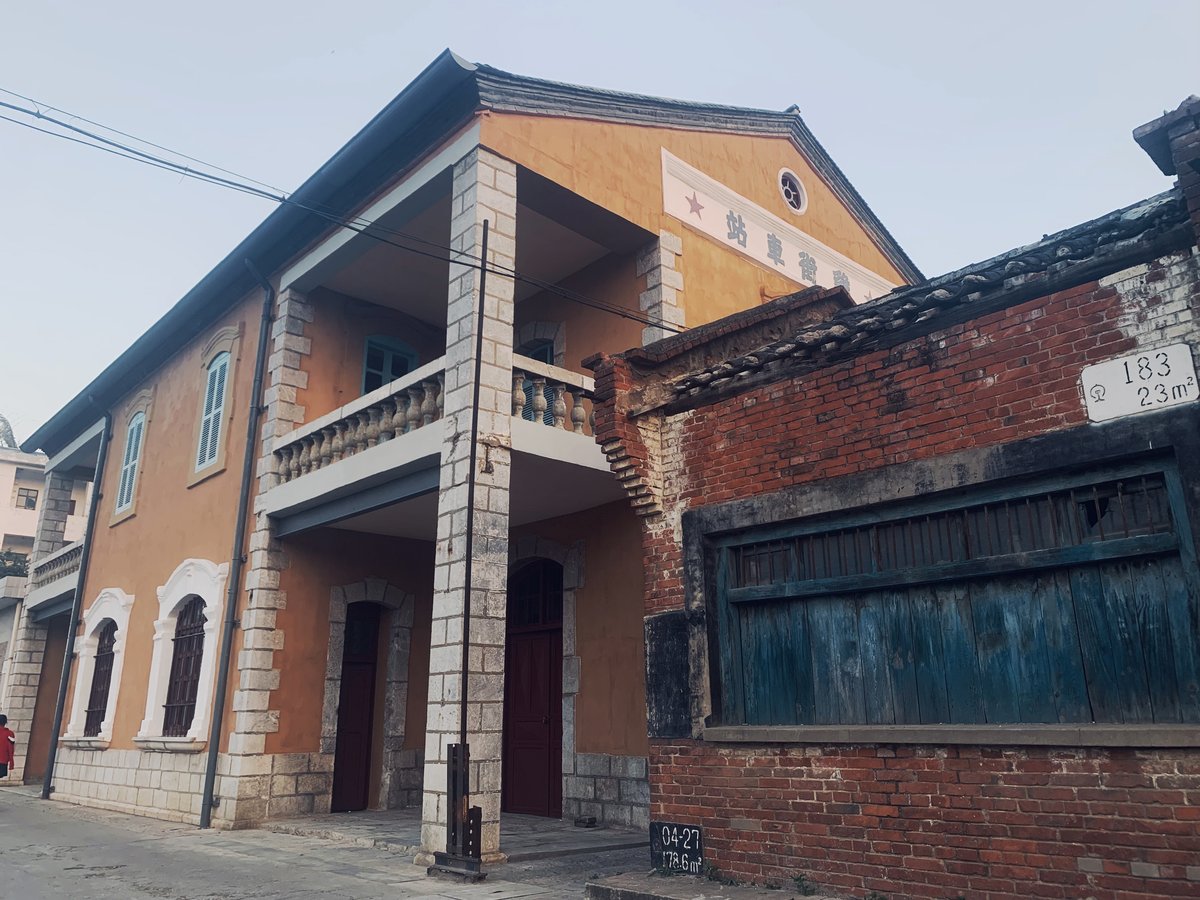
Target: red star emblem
[{"x": 695, "y": 205}]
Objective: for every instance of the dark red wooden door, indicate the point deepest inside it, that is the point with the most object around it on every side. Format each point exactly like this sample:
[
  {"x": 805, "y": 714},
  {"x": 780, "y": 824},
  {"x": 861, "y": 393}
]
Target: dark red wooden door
[
  {"x": 356, "y": 709},
  {"x": 533, "y": 692}
]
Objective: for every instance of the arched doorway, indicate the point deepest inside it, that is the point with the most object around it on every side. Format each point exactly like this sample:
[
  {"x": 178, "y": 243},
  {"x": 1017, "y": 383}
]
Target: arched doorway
[
  {"x": 356, "y": 709},
  {"x": 532, "y": 782}
]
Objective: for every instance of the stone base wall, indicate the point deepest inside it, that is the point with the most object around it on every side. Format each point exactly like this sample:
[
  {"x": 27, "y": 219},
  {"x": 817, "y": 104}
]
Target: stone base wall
[
  {"x": 249, "y": 789},
  {"x": 145, "y": 783},
  {"x": 612, "y": 788}
]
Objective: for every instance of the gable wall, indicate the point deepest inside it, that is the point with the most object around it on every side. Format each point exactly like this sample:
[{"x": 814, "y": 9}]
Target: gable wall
[{"x": 619, "y": 167}]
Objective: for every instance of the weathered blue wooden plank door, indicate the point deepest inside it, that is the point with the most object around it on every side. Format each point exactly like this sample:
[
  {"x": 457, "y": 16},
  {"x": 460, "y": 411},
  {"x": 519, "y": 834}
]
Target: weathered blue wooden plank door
[{"x": 836, "y": 666}]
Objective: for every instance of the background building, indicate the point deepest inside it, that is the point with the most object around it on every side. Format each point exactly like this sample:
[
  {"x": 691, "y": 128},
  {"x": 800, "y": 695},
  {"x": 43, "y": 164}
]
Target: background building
[{"x": 22, "y": 494}]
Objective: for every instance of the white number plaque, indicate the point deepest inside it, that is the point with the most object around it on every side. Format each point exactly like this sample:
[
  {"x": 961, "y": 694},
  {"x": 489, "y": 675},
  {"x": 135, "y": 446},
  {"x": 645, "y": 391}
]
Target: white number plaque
[{"x": 1141, "y": 382}]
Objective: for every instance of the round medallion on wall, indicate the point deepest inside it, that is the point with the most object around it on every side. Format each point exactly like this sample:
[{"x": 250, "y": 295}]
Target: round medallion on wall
[{"x": 792, "y": 191}]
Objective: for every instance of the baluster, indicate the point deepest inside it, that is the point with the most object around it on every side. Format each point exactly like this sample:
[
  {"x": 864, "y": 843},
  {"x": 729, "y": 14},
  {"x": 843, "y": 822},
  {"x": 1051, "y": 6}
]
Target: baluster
[
  {"x": 413, "y": 417},
  {"x": 578, "y": 413},
  {"x": 360, "y": 432},
  {"x": 518, "y": 393},
  {"x": 328, "y": 433},
  {"x": 282, "y": 469},
  {"x": 539, "y": 399},
  {"x": 386, "y": 429},
  {"x": 400, "y": 420},
  {"x": 559, "y": 410},
  {"x": 441, "y": 394},
  {"x": 338, "y": 445},
  {"x": 305, "y": 455},
  {"x": 372, "y": 426},
  {"x": 429, "y": 406},
  {"x": 317, "y": 441},
  {"x": 295, "y": 450}
]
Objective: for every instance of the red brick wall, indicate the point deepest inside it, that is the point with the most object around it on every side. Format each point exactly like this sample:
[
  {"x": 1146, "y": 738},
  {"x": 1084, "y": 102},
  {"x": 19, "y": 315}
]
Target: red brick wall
[
  {"x": 922, "y": 821},
  {"x": 941, "y": 822}
]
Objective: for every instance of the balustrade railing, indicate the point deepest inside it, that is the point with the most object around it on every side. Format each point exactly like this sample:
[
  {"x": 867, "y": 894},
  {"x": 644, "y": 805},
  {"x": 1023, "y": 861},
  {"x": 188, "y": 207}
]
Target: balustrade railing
[
  {"x": 404, "y": 405},
  {"x": 546, "y": 394},
  {"x": 59, "y": 564}
]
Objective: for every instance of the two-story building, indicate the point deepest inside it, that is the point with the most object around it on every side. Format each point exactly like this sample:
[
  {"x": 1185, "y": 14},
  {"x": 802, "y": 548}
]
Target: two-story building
[{"x": 283, "y": 460}]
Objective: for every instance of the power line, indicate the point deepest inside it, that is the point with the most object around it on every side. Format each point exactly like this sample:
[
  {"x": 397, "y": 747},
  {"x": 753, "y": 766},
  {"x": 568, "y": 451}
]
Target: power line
[{"x": 359, "y": 225}]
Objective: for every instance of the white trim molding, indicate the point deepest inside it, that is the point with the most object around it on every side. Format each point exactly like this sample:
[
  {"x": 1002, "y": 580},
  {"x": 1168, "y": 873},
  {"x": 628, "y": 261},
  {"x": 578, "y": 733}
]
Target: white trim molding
[
  {"x": 193, "y": 578},
  {"x": 115, "y": 604},
  {"x": 717, "y": 211}
]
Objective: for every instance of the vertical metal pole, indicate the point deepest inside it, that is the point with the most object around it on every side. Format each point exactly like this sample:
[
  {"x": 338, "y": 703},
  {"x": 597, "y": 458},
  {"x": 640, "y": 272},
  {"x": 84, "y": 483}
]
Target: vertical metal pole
[{"x": 474, "y": 452}]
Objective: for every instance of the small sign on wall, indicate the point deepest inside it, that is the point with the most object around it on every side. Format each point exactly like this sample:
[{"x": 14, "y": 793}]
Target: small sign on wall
[
  {"x": 1141, "y": 382},
  {"x": 675, "y": 847}
]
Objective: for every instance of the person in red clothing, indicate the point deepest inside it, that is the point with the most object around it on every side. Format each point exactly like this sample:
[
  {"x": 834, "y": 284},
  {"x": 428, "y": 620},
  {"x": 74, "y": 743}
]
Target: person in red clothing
[{"x": 7, "y": 741}]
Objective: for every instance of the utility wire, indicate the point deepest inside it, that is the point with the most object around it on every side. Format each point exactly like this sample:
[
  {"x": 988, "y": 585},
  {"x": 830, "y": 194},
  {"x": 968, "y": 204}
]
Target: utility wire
[{"x": 357, "y": 224}]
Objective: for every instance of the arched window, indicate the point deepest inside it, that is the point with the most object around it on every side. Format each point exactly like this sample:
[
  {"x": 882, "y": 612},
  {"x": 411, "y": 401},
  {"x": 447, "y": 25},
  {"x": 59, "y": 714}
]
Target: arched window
[
  {"x": 184, "y": 680},
  {"x": 213, "y": 412},
  {"x": 102, "y": 670},
  {"x": 135, "y": 431},
  {"x": 543, "y": 351},
  {"x": 384, "y": 360},
  {"x": 100, "y": 655},
  {"x": 183, "y": 658}
]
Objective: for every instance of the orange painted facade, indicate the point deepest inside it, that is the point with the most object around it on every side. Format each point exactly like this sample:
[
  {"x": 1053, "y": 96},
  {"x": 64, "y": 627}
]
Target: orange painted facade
[{"x": 172, "y": 520}]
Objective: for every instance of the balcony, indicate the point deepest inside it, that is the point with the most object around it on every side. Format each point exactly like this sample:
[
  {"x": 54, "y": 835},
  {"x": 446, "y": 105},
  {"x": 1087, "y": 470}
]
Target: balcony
[
  {"x": 53, "y": 581},
  {"x": 374, "y": 464}
]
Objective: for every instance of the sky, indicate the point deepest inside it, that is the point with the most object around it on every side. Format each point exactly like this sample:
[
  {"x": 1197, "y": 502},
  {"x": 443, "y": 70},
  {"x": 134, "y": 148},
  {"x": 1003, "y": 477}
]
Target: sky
[{"x": 968, "y": 129}]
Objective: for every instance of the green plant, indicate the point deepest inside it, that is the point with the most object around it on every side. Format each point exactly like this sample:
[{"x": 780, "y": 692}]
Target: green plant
[{"x": 12, "y": 563}]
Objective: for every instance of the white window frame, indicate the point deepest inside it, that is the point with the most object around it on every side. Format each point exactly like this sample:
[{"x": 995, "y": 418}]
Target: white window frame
[
  {"x": 220, "y": 353},
  {"x": 193, "y": 578},
  {"x": 138, "y": 411},
  {"x": 212, "y": 414},
  {"x": 115, "y": 604}
]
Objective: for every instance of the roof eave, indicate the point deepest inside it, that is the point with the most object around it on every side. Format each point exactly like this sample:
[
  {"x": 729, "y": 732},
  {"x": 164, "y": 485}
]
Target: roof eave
[{"x": 339, "y": 183}]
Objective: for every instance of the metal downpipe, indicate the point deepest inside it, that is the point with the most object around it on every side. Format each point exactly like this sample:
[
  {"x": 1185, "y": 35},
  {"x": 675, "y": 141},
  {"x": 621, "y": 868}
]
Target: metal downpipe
[
  {"x": 237, "y": 556},
  {"x": 76, "y": 606}
]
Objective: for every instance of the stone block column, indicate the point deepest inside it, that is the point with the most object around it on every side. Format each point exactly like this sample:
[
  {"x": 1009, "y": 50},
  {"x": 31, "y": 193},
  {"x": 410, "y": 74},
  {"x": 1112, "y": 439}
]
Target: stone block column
[
  {"x": 484, "y": 188},
  {"x": 661, "y": 301},
  {"x": 27, "y": 646},
  {"x": 245, "y": 786},
  {"x": 52, "y": 517}
]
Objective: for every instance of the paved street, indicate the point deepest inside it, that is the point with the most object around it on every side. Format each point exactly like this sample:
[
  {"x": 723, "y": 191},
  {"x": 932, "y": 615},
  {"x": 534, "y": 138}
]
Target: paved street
[{"x": 53, "y": 850}]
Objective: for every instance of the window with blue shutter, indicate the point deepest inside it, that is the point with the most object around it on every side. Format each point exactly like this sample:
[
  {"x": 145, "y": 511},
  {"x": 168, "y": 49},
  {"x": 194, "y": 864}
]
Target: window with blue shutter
[
  {"x": 385, "y": 360},
  {"x": 129, "y": 463},
  {"x": 214, "y": 409}
]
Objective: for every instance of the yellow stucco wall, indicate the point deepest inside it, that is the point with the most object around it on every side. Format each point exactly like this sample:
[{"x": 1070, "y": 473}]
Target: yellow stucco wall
[
  {"x": 619, "y": 167},
  {"x": 322, "y": 560},
  {"x": 610, "y": 709},
  {"x": 339, "y": 330}
]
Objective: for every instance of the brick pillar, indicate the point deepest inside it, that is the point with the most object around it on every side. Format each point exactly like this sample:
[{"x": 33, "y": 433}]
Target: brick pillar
[
  {"x": 244, "y": 796},
  {"x": 484, "y": 188},
  {"x": 664, "y": 282},
  {"x": 27, "y": 645}
]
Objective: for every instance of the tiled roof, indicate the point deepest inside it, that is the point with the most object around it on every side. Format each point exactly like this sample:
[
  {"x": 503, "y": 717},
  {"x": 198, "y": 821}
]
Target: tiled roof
[{"x": 858, "y": 329}]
